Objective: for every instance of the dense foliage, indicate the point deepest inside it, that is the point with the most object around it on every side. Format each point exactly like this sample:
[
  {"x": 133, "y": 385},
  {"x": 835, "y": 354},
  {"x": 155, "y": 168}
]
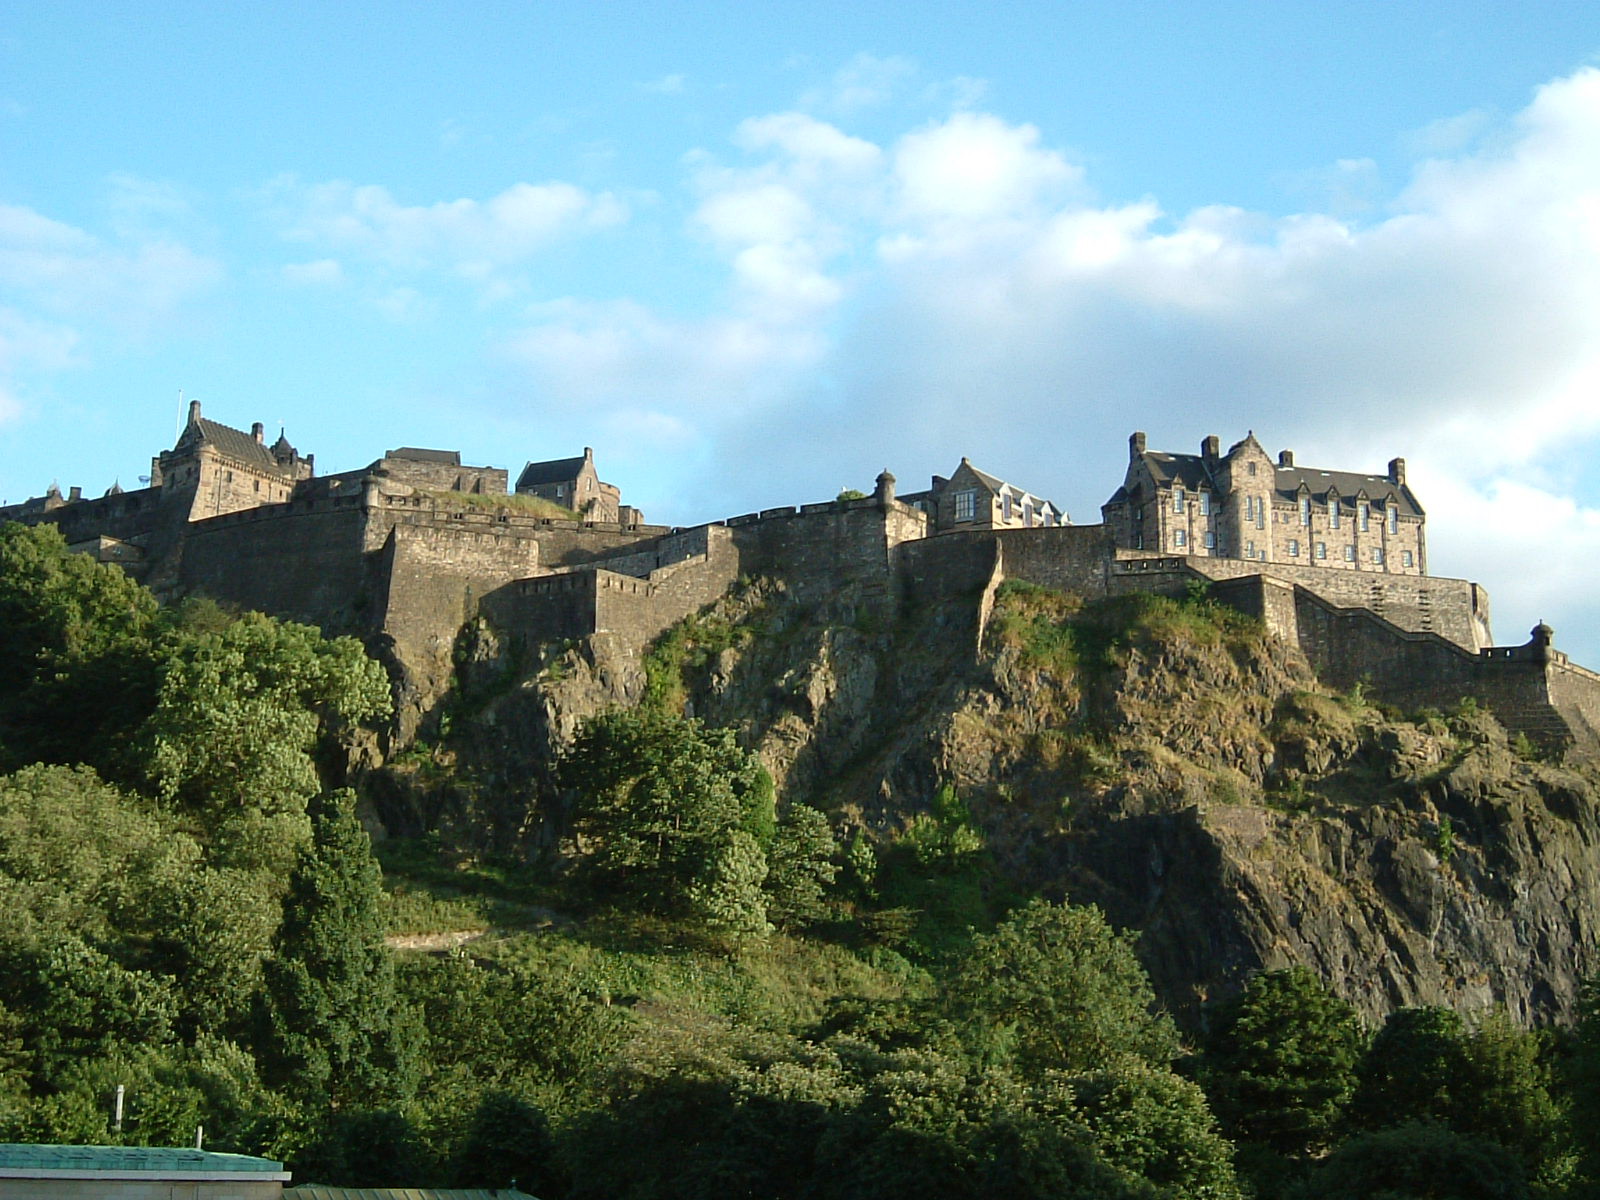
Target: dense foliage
[{"x": 717, "y": 999}]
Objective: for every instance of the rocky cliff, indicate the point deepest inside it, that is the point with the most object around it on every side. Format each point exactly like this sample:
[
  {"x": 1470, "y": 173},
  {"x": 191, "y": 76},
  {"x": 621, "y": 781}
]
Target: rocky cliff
[{"x": 1166, "y": 760}]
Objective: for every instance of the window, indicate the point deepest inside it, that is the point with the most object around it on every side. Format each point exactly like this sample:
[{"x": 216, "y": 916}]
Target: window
[
  {"x": 1211, "y": 541},
  {"x": 1005, "y": 507},
  {"x": 1294, "y": 547},
  {"x": 1251, "y": 468},
  {"x": 1027, "y": 513},
  {"x": 1377, "y": 555},
  {"x": 1333, "y": 513},
  {"x": 1322, "y": 549},
  {"x": 1394, "y": 517},
  {"x": 1406, "y": 558},
  {"x": 1249, "y": 508},
  {"x": 1177, "y": 499},
  {"x": 966, "y": 505},
  {"x": 1205, "y": 504},
  {"x": 1363, "y": 513},
  {"x": 1349, "y": 554},
  {"x": 1249, "y": 549},
  {"x": 1180, "y": 539},
  {"x": 1305, "y": 510}
]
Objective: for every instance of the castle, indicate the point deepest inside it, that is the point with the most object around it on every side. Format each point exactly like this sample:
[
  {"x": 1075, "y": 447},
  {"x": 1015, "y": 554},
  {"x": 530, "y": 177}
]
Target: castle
[{"x": 408, "y": 550}]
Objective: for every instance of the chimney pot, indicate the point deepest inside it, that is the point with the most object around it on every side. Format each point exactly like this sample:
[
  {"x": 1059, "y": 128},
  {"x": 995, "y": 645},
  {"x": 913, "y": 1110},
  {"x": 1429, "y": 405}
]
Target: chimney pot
[{"x": 257, "y": 431}]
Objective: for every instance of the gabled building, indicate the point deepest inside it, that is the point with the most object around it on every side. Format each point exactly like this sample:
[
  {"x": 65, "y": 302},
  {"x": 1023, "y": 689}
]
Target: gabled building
[
  {"x": 974, "y": 499},
  {"x": 1245, "y": 505},
  {"x": 574, "y": 483},
  {"x": 214, "y": 469}
]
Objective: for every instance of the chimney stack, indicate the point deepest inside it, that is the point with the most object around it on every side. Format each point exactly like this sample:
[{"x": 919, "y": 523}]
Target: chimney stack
[
  {"x": 257, "y": 431},
  {"x": 1397, "y": 471},
  {"x": 1210, "y": 448},
  {"x": 194, "y": 411},
  {"x": 1135, "y": 447},
  {"x": 1286, "y": 458}
]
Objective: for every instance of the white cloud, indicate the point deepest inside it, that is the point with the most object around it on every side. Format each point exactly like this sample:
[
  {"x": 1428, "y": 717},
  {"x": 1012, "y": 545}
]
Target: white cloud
[
  {"x": 866, "y": 81},
  {"x": 1008, "y": 315},
  {"x": 504, "y": 230},
  {"x": 668, "y": 85},
  {"x": 323, "y": 272},
  {"x": 975, "y": 167}
]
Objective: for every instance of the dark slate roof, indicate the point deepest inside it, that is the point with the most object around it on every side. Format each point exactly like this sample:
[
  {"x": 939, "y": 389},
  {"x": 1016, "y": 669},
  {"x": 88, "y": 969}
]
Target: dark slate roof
[
  {"x": 450, "y": 458},
  {"x": 1190, "y": 471},
  {"x": 1347, "y": 483},
  {"x": 556, "y": 470},
  {"x": 16, "y": 1157},
  {"x": 1186, "y": 470},
  {"x": 233, "y": 442}
]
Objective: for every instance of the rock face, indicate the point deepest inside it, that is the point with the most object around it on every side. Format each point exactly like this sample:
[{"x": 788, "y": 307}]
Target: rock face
[{"x": 1168, "y": 761}]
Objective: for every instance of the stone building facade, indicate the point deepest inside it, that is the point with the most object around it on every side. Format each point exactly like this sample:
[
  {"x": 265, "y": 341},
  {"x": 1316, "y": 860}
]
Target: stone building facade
[
  {"x": 974, "y": 499},
  {"x": 214, "y": 469},
  {"x": 574, "y": 483},
  {"x": 1243, "y": 505}
]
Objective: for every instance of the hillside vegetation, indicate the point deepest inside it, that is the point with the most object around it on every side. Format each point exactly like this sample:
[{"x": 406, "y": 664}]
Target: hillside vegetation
[{"x": 817, "y": 900}]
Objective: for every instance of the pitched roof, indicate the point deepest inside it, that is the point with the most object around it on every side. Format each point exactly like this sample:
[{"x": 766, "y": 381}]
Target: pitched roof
[
  {"x": 450, "y": 458},
  {"x": 556, "y": 470},
  {"x": 233, "y": 442},
  {"x": 1187, "y": 470},
  {"x": 1191, "y": 472},
  {"x": 19, "y": 1159},
  {"x": 1318, "y": 483}
]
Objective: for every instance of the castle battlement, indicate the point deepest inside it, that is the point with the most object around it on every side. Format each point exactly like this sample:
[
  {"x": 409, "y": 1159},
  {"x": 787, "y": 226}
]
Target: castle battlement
[{"x": 407, "y": 550}]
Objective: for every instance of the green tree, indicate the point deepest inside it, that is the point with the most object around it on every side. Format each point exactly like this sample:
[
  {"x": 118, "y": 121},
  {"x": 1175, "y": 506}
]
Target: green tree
[
  {"x": 1417, "y": 1162},
  {"x": 1055, "y": 988},
  {"x": 77, "y": 669},
  {"x": 1415, "y": 1070},
  {"x": 658, "y": 800},
  {"x": 330, "y": 1029},
  {"x": 1490, "y": 1083},
  {"x": 801, "y": 866},
  {"x": 242, "y": 711},
  {"x": 1280, "y": 1063},
  {"x": 508, "y": 1144}
]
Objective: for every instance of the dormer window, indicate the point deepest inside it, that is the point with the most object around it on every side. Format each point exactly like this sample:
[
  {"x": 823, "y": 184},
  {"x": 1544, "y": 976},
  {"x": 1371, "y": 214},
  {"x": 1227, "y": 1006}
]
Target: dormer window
[
  {"x": 1333, "y": 512},
  {"x": 1305, "y": 510},
  {"x": 1363, "y": 514},
  {"x": 1394, "y": 517}
]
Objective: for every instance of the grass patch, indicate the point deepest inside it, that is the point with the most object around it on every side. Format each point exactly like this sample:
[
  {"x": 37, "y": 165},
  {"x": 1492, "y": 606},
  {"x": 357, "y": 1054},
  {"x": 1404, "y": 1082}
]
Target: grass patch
[{"x": 512, "y": 504}]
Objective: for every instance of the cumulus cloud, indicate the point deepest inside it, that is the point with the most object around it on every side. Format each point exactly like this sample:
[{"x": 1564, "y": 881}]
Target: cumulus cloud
[{"x": 959, "y": 290}]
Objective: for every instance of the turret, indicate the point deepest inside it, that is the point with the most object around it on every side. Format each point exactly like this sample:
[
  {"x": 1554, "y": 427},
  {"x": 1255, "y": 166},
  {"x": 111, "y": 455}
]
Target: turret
[{"x": 885, "y": 492}]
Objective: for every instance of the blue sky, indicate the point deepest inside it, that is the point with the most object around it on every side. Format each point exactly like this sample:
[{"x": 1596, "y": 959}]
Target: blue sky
[{"x": 755, "y": 253}]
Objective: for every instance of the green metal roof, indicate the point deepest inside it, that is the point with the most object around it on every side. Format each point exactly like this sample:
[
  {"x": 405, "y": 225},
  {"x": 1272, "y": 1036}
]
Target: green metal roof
[
  {"x": 320, "y": 1191},
  {"x": 15, "y": 1156}
]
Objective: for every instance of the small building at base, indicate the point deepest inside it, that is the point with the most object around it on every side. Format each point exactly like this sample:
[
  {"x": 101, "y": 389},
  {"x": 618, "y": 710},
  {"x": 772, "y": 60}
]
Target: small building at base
[{"x": 42, "y": 1172}]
